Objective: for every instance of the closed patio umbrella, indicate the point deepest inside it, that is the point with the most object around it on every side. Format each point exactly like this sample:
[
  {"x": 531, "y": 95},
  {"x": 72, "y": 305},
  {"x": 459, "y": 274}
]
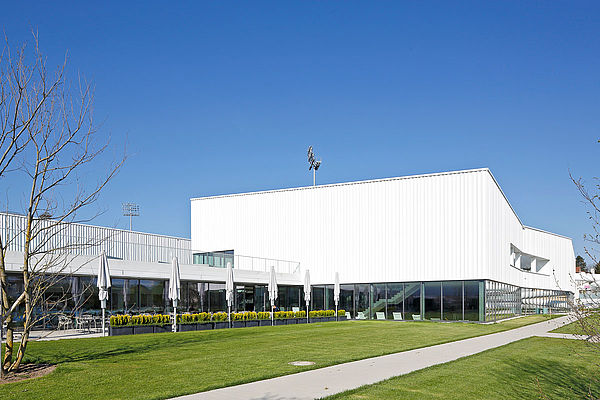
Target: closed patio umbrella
[
  {"x": 336, "y": 293},
  {"x": 103, "y": 284},
  {"x": 229, "y": 290},
  {"x": 307, "y": 292},
  {"x": 174, "y": 289},
  {"x": 272, "y": 290}
]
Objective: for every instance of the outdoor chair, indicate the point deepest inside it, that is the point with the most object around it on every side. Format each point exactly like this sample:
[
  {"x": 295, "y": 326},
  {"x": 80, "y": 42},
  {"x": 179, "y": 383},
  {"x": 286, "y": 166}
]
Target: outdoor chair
[
  {"x": 360, "y": 315},
  {"x": 295, "y": 309},
  {"x": 64, "y": 322},
  {"x": 397, "y": 316},
  {"x": 379, "y": 315},
  {"x": 416, "y": 317},
  {"x": 348, "y": 316}
]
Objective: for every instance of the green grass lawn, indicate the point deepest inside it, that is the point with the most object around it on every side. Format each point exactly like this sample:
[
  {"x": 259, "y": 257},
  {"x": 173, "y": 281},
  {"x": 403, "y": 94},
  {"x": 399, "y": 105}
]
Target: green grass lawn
[
  {"x": 565, "y": 369},
  {"x": 157, "y": 366},
  {"x": 588, "y": 326}
]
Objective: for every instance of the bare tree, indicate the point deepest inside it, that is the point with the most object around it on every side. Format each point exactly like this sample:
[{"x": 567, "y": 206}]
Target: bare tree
[{"x": 49, "y": 140}]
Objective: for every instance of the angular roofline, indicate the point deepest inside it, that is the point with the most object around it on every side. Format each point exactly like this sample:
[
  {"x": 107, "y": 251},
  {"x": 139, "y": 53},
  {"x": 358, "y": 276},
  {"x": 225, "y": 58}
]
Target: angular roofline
[{"x": 465, "y": 171}]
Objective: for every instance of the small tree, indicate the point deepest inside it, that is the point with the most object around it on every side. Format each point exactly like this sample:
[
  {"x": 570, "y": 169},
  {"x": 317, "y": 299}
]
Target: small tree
[
  {"x": 580, "y": 264},
  {"x": 49, "y": 142}
]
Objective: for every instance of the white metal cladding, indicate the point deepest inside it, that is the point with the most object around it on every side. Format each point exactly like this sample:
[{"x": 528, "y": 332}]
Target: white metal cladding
[
  {"x": 89, "y": 240},
  {"x": 447, "y": 226}
]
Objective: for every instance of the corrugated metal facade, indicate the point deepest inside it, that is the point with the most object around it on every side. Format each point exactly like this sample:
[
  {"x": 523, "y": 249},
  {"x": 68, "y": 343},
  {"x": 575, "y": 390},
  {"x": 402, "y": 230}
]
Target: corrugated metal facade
[
  {"x": 89, "y": 240},
  {"x": 448, "y": 226}
]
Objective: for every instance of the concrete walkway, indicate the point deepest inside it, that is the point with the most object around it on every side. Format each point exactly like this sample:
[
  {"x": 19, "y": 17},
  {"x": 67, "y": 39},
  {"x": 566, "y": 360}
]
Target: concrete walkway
[
  {"x": 42, "y": 335},
  {"x": 323, "y": 382}
]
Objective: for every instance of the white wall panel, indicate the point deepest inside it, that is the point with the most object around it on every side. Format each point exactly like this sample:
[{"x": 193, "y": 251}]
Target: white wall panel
[{"x": 446, "y": 226}]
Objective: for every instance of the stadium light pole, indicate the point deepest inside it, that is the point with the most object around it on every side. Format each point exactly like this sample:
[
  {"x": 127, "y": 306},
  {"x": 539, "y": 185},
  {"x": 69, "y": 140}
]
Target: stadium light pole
[
  {"x": 131, "y": 210},
  {"x": 314, "y": 164}
]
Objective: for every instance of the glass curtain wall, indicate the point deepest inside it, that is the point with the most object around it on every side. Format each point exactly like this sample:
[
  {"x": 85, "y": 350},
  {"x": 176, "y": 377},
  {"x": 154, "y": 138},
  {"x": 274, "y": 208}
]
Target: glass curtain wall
[
  {"x": 362, "y": 296},
  {"x": 317, "y": 299},
  {"x": 452, "y": 301},
  {"x": 395, "y": 299},
  {"x": 152, "y": 296},
  {"x": 347, "y": 298},
  {"x": 412, "y": 300},
  {"x": 378, "y": 300},
  {"x": 472, "y": 300},
  {"x": 433, "y": 300}
]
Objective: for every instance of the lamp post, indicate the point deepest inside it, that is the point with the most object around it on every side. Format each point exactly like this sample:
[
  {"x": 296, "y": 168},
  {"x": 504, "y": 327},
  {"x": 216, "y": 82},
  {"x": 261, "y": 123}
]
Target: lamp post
[
  {"x": 131, "y": 210},
  {"x": 314, "y": 164}
]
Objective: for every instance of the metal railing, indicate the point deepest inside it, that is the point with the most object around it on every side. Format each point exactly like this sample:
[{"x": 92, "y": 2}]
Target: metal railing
[{"x": 249, "y": 263}]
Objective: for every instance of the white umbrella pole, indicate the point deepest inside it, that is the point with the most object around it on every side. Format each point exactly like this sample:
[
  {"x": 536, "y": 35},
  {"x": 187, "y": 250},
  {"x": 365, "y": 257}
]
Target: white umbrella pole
[
  {"x": 272, "y": 314},
  {"x": 307, "y": 321},
  {"x": 229, "y": 315},
  {"x": 175, "y": 319},
  {"x": 103, "y": 322},
  {"x": 336, "y": 313}
]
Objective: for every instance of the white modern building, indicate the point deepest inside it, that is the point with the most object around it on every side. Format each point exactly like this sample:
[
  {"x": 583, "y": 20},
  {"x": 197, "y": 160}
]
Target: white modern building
[
  {"x": 438, "y": 230},
  {"x": 443, "y": 246}
]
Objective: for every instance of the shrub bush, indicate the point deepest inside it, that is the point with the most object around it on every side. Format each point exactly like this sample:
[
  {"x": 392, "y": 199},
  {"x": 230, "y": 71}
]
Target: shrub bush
[
  {"x": 341, "y": 313},
  {"x": 237, "y": 316},
  {"x": 250, "y": 316},
  {"x": 219, "y": 316},
  {"x": 300, "y": 314},
  {"x": 263, "y": 315}
]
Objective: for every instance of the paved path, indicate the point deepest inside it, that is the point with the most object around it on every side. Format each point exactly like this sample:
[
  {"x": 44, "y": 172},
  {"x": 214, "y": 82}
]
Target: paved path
[{"x": 323, "y": 382}]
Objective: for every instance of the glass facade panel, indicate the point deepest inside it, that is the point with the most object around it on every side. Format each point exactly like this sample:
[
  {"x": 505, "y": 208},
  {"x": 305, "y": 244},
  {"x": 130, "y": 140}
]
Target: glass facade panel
[
  {"x": 90, "y": 303},
  {"x": 294, "y": 297},
  {"x": 363, "y": 295},
  {"x": 395, "y": 299},
  {"x": 378, "y": 300},
  {"x": 347, "y": 298},
  {"x": 152, "y": 296},
  {"x": 452, "y": 304},
  {"x": 197, "y": 296},
  {"x": 433, "y": 300},
  {"x": 261, "y": 298},
  {"x": 329, "y": 301},
  {"x": 412, "y": 300},
  {"x": 472, "y": 300},
  {"x": 317, "y": 299},
  {"x": 282, "y": 299},
  {"x": 216, "y": 297}
]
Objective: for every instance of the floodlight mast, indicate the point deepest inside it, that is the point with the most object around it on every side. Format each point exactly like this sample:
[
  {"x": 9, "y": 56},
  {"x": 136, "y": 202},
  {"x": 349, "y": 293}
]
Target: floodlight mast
[
  {"x": 131, "y": 210},
  {"x": 314, "y": 164}
]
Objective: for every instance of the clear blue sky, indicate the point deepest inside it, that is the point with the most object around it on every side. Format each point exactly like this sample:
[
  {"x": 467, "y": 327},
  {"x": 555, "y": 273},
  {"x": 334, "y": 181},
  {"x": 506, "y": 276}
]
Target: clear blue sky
[{"x": 220, "y": 97}]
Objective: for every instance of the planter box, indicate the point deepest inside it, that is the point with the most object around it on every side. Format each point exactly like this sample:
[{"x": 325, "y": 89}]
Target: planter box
[
  {"x": 301, "y": 320},
  {"x": 204, "y": 326},
  {"x": 139, "y": 329},
  {"x": 238, "y": 324},
  {"x": 221, "y": 325},
  {"x": 186, "y": 327},
  {"x": 251, "y": 323},
  {"x": 264, "y": 322},
  {"x": 317, "y": 319},
  {"x": 162, "y": 328},
  {"x": 292, "y": 321},
  {"x": 280, "y": 322},
  {"x": 342, "y": 318},
  {"x": 120, "y": 330},
  {"x": 329, "y": 318}
]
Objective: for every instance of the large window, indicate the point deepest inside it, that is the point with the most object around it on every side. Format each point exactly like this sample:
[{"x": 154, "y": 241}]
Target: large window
[
  {"x": 347, "y": 298},
  {"x": 318, "y": 298},
  {"x": 261, "y": 298},
  {"x": 412, "y": 300},
  {"x": 124, "y": 296},
  {"x": 472, "y": 300},
  {"x": 433, "y": 300},
  {"x": 378, "y": 300},
  {"x": 395, "y": 297},
  {"x": 216, "y": 297},
  {"x": 452, "y": 301},
  {"x": 151, "y": 296},
  {"x": 362, "y": 300},
  {"x": 197, "y": 300}
]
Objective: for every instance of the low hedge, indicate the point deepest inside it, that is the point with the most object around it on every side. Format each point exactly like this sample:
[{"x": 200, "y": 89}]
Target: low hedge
[{"x": 204, "y": 317}]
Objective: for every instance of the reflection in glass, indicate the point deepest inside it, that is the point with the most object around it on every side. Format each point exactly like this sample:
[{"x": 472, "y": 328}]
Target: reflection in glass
[
  {"x": 395, "y": 297},
  {"x": 317, "y": 299},
  {"x": 378, "y": 300},
  {"x": 452, "y": 301},
  {"x": 347, "y": 298},
  {"x": 151, "y": 296},
  {"x": 216, "y": 297},
  {"x": 472, "y": 300},
  {"x": 433, "y": 300},
  {"x": 362, "y": 300},
  {"x": 412, "y": 300}
]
